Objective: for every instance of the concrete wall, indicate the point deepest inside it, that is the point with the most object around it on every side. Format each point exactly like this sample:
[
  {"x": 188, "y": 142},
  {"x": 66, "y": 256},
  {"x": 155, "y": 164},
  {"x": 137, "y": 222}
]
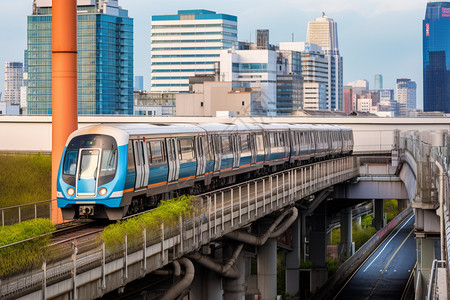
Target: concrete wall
[
  {"x": 28, "y": 133},
  {"x": 216, "y": 96}
]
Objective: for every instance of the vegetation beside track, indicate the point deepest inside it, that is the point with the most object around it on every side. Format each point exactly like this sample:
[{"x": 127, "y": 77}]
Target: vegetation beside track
[
  {"x": 26, "y": 255},
  {"x": 24, "y": 178},
  {"x": 167, "y": 212}
]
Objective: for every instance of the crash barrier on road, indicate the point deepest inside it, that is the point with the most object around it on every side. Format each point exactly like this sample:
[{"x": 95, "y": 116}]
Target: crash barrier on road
[{"x": 345, "y": 271}]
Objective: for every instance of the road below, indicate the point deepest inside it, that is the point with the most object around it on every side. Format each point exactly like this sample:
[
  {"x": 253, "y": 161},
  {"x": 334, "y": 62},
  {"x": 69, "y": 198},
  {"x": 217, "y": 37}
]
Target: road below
[{"x": 385, "y": 274}]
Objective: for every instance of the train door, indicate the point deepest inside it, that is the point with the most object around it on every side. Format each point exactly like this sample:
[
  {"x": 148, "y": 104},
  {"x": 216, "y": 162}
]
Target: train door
[
  {"x": 236, "y": 148},
  {"x": 252, "y": 144},
  {"x": 87, "y": 172},
  {"x": 201, "y": 155},
  {"x": 217, "y": 150},
  {"x": 141, "y": 164},
  {"x": 172, "y": 159}
]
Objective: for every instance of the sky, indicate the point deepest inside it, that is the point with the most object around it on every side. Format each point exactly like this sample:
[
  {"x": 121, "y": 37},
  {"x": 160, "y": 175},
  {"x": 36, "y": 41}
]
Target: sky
[{"x": 375, "y": 36}]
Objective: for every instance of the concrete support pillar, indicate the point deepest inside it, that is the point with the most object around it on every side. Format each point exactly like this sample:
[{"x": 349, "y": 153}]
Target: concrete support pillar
[
  {"x": 345, "y": 247},
  {"x": 293, "y": 260},
  {"x": 235, "y": 289},
  {"x": 378, "y": 210},
  {"x": 206, "y": 285},
  {"x": 425, "y": 257},
  {"x": 317, "y": 247},
  {"x": 267, "y": 270},
  {"x": 402, "y": 204}
]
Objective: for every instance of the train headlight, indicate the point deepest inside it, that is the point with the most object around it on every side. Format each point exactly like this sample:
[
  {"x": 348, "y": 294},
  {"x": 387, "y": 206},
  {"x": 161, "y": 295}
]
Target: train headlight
[
  {"x": 102, "y": 191},
  {"x": 70, "y": 191}
]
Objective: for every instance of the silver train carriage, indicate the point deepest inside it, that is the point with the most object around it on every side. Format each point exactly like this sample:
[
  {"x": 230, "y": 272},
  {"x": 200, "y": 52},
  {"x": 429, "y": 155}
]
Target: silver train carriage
[{"x": 109, "y": 171}]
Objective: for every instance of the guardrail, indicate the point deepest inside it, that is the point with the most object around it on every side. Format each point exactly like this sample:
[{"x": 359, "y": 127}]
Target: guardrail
[
  {"x": 16, "y": 214},
  {"x": 431, "y": 155},
  {"x": 71, "y": 267},
  {"x": 347, "y": 268}
]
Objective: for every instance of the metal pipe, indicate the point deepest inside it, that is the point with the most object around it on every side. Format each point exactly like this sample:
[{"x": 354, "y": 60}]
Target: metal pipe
[
  {"x": 184, "y": 283},
  {"x": 228, "y": 270},
  {"x": 64, "y": 85},
  {"x": 252, "y": 239}
]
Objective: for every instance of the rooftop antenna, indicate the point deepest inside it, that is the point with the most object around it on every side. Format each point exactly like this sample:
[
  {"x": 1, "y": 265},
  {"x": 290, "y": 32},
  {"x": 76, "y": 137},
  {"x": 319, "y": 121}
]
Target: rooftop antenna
[{"x": 292, "y": 37}]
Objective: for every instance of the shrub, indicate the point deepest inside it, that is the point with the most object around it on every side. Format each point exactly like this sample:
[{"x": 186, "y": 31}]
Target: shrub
[
  {"x": 167, "y": 212},
  {"x": 25, "y": 179},
  {"x": 26, "y": 255}
]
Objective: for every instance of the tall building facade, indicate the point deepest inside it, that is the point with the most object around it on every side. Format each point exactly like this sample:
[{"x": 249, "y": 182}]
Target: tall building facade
[
  {"x": 187, "y": 44},
  {"x": 436, "y": 57},
  {"x": 323, "y": 32},
  {"x": 314, "y": 70},
  {"x": 257, "y": 70},
  {"x": 13, "y": 81},
  {"x": 104, "y": 60},
  {"x": 378, "y": 81},
  {"x": 138, "y": 83},
  {"x": 262, "y": 38},
  {"x": 406, "y": 95}
]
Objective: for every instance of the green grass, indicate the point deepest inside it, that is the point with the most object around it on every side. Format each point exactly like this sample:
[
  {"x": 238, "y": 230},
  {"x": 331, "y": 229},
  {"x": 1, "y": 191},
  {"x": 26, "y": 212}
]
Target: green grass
[
  {"x": 27, "y": 255},
  {"x": 24, "y": 179},
  {"x": 167, "y": 212}
]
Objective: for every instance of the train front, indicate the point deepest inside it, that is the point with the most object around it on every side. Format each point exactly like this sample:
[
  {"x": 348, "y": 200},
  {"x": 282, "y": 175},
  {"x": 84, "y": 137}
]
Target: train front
[{"x": 92, "y": 173}]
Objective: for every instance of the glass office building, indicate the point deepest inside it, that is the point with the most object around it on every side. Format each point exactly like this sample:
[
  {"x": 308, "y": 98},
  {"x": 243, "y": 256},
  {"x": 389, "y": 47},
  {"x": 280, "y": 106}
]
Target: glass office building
[
  {"x": 436, "y": 57},
  {"x": 104, "y": 60}
]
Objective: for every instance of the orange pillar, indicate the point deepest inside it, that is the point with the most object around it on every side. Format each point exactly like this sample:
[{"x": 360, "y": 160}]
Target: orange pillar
[{"x": 64, "y": 85}]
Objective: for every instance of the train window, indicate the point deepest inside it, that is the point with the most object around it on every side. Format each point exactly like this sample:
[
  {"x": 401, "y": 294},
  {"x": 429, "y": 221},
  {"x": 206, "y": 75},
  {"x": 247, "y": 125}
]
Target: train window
[
  {"x": 109, "y": 162},
  {"x": 244, "y": 142},
  {"x": 186, "y": 149},
  {"x": 130, "y": 163},
  {"x": 226, "y": 149},
  {"x": 70, "y": 162},
  {"x": 259, "y": 142},
  {"x": 156, "y": 153}
]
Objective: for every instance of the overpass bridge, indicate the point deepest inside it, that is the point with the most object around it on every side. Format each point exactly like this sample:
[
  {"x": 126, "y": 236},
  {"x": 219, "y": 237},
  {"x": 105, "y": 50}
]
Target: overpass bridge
[{"x": 266, "y": 207}]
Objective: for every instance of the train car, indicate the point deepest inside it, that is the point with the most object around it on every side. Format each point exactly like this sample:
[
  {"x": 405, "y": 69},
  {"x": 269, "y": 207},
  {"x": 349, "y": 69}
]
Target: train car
[{"x": 109, "y": 171}]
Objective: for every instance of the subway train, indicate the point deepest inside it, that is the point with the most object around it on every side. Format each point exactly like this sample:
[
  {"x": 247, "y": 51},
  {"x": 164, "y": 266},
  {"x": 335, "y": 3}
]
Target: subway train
[{"x": 111, "y": 171}]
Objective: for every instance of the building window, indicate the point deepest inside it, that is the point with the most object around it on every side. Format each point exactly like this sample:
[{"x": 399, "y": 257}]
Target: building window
[
  {"x": 243, "y": 103},
  {"x": 201, "y": 104}
]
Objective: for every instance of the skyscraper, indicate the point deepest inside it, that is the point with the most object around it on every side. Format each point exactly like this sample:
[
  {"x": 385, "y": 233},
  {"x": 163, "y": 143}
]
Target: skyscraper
[
  {"x": 187, "y": 44},
  {"x": 436, "y": 53},
  {"x": 13, "y": 81},
  {"x": 378, "y": 81},
  {"x": 138, "y": 83},
  {"x": 104, "y": 60},
  {"x": 406, "y": 95},
  {"x": 314, "y": 70},
  {"x": 323, "y": 32},
  {"x": 262, "y": 38}
]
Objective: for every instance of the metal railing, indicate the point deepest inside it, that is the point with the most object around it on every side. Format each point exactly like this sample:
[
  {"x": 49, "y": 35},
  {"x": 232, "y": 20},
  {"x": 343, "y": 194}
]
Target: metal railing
[
  {"x": 18, "y": 213},
  {"x": 217, "y": 214},
  {"x": 433, "y": 291}
]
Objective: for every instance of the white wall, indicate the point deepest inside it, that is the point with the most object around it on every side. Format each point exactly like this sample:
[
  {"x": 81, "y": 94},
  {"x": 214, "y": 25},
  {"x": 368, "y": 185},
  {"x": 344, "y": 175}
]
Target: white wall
[{"x": 33, "y": 134}]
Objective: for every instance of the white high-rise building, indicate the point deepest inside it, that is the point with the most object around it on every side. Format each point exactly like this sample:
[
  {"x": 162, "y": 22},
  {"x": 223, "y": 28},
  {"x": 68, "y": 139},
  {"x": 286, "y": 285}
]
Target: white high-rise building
[
  {"x": 188, "y": 44},
  {"x": 256, "y": 69},
  {"x": 406, "y": 95},
  {"x": 314, "y": 68},
  {"x": 13, "y": 81},
  {"x": 323, "y": 32}
]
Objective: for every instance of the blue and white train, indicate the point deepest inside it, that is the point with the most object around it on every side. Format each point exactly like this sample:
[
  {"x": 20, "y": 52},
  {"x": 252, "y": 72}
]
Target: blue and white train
[{"x": 110, "y": 171}]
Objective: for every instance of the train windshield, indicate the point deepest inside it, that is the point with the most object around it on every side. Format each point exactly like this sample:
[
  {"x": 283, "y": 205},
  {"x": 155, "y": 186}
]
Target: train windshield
[{"x": 82, "y": 159}]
